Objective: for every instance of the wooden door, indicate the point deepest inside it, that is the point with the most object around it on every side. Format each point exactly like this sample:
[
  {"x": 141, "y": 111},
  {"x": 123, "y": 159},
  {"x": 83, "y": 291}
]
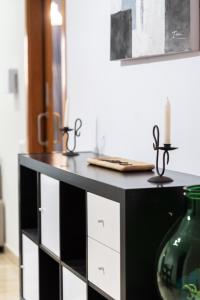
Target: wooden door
[
  {"x": 35, "y": 76},
  {"x": 48, "y": 76},
  {"x": 46, "y": 66}
]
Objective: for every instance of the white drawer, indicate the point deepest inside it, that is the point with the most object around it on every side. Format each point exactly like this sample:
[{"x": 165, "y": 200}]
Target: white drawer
[
  {"x": 104, "y": 221},
  {"x": 73, "y": 287},
  {"x": 30, "y": 269},
  {"x": 104, "y": 268},
  {"x": 50, "y": 232}
]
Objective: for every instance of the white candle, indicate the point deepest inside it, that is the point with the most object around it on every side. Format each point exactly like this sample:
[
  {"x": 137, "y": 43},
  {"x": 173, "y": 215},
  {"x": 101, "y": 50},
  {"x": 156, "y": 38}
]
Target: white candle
[
  {"x": 66, "y": 114},
  {"x": 167, "y": 139}
]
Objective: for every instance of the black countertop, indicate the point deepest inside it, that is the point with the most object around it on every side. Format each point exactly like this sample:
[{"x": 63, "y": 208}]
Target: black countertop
[{"x": 73, "y": 169}]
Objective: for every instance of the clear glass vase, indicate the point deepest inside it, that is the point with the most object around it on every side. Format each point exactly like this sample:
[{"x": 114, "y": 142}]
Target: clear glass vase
[{"x": 178, "y": 272}]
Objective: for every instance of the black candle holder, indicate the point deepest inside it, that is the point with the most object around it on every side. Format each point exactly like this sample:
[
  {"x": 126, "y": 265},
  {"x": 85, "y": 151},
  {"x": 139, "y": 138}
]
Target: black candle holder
[
  {"x": 76, "y": 130},
  {"x": 166, "y": 148}
]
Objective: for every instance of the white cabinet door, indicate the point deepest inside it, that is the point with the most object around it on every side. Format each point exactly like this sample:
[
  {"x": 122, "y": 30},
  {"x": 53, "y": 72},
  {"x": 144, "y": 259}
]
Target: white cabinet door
[
  {"x": 30, "y": 269},
  {"x": 73, "y": 287},
  {"x": 50, "y": 228},
  {"x": 104, "y": 268},
  {"x": 104, "y": 221}
]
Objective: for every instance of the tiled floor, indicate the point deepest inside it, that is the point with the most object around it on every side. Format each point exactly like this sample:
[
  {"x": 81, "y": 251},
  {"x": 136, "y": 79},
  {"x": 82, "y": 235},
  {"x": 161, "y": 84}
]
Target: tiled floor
[{"x": 9, "y": 279}]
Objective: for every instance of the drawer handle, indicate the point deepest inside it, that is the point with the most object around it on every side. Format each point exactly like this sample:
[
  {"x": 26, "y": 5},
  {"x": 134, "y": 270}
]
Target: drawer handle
[
  {"x": 101, "y": 269},
  {"x": 101, "y": 222},
  {"x": 21, "y": 267}
]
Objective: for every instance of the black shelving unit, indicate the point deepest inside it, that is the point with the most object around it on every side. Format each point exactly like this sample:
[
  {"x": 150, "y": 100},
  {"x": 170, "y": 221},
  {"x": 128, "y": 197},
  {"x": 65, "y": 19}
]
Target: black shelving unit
[{"x": 147, "y": 212}]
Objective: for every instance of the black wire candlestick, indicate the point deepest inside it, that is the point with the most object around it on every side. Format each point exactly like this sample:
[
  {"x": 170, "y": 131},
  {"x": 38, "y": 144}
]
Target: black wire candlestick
[
  {"x": 76, "y": 130},
  {"x": 160, "y": 178}
]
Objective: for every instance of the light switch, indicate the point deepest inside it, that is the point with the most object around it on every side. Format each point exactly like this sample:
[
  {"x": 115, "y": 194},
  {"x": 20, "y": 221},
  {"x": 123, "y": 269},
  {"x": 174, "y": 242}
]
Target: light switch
[{"x": 12, "y": 81}]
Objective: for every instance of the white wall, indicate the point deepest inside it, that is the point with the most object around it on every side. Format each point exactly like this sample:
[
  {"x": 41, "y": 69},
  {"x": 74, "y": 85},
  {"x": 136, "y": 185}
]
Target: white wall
[
  {"x": 12, "y": 110},
  {"x": 128, "y": 99}
]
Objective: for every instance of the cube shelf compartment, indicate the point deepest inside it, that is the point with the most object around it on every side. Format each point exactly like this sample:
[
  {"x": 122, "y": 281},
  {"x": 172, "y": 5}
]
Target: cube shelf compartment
[
  {"x": 73, "y": 227},
  {"x": 49, "y": 277},
  {"x": 29, "y": 203},
  {"x": 94, "y": 295}
]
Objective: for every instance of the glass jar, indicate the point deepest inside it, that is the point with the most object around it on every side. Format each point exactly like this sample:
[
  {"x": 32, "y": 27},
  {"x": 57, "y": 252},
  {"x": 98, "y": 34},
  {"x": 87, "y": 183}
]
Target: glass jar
[{"x": 178, "y": 272}]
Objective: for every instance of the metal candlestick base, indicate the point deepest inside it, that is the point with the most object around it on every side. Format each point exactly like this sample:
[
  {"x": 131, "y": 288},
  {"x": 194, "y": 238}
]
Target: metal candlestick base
[
  {"x": 160, "y": 179},
  {"x": 166, "y": 148},
  {"x": 70, "y": 153},
  {"x": 77, "y": 126}
]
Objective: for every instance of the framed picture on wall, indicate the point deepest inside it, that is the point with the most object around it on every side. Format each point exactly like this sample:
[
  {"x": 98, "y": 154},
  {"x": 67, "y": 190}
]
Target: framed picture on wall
[{"x": 144, "y": 28}]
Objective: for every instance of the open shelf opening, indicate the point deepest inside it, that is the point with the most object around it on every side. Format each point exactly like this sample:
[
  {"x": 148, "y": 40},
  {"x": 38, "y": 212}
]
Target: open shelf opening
[
  {"x": 49, "y": 277},
  {"x": 94, "y": 295},
  {"x": 73, "y": 227},
  {"x": 29, "y": 203}
]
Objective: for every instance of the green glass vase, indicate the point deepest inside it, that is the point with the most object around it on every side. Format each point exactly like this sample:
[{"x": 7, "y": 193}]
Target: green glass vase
[{"x": 178, "y": 271}]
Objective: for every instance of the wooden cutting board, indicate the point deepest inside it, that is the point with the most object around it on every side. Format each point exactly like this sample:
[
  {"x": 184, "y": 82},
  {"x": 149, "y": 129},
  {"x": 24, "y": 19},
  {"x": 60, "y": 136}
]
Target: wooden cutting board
[{"x": 120, "y": 164}]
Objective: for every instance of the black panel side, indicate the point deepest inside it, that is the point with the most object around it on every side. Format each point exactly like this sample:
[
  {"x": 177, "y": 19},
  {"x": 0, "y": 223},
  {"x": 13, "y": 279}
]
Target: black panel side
[{"x": 149, "y": 216}]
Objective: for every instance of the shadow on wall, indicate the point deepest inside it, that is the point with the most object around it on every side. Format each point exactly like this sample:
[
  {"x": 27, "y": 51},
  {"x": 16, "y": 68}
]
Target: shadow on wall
[
  {"x": 161, "y": 58},
  {"x": 100, "y": 139}
]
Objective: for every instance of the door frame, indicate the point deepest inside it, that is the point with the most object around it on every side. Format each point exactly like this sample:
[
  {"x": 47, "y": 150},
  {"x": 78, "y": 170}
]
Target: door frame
[{"x": 36, "y": 71}]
